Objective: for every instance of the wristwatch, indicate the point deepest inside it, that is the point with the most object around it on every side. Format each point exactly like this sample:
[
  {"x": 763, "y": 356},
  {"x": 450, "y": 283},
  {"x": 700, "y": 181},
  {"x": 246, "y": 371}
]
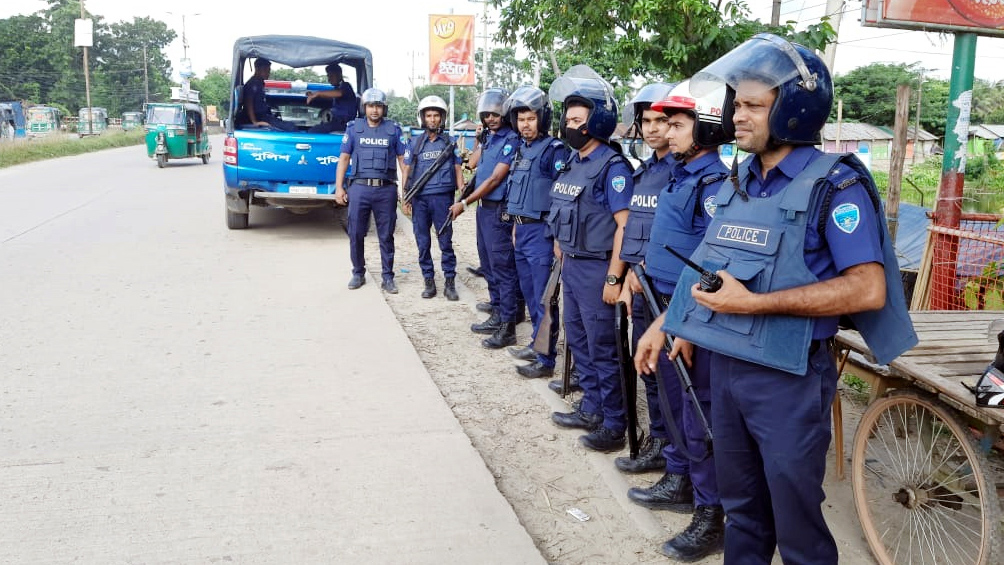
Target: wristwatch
[{"x": 614, "y": 280}]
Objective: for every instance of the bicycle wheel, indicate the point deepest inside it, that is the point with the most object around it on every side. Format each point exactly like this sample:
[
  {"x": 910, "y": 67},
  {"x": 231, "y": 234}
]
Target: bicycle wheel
[{"x": 921, "y": 486}]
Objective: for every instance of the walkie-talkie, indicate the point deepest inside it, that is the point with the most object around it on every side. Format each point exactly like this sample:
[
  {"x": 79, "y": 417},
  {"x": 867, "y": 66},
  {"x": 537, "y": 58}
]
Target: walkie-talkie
[{"x": 710, "y": 282}]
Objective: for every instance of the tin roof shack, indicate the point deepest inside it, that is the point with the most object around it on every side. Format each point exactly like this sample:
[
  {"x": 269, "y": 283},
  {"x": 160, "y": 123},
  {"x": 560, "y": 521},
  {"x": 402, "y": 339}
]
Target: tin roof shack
[{"x": 985, "y": 139}]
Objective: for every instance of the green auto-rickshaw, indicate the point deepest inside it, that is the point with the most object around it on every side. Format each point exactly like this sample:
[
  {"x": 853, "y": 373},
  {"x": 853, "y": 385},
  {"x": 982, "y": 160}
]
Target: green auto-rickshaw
[
  {"x": 176, "y": 130},
  {"x": 131, "y": 120},
  {"x": 92, "y": 121},
  {"x": 43, "y": 120}
]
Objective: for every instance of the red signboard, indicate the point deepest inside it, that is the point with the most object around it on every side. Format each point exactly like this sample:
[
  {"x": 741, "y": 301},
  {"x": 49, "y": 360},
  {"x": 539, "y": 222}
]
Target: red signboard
[
  {"x": 983, "y": 17},
  {"x": 451, "y": 50}
]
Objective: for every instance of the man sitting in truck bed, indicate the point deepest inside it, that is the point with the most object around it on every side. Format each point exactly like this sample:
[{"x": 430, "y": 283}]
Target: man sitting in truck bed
[
  {"x": 342, "y": 100},
  {"x": 256, "y": 109}
]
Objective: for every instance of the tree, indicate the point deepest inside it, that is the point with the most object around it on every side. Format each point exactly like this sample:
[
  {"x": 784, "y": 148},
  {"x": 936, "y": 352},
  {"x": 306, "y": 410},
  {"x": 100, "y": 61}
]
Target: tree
[
  {"x": 504, "y": 69},
  {"x": 214, "y": 88},
  {"x": 402, "y": 110},
  {"x": 119, "y": 79},
  {"x": 26, "y": 73},
  {"x": 305, "y": 74},
  {"x": 869, "y": 95},
  {"x": 988, "y": 102},
  {"x": 641, "y": 36}
]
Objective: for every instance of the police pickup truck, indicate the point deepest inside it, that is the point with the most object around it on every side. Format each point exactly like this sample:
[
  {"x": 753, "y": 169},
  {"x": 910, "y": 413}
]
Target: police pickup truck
[{"x": 295, "y": 170}]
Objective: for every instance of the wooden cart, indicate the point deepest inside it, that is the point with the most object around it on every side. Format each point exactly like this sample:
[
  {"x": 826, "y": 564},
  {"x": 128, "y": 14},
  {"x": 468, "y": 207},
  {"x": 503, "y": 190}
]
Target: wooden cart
[{"x": 925, "y": 459}]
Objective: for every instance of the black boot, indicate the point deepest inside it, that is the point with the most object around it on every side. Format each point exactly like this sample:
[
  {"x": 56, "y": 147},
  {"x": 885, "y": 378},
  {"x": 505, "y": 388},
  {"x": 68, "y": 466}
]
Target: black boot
[
  {"x": 489, "y": 326},
  {"x": 450, "y": 289},
  {"x": 673, "y": 492},
  {"x": 503, "y": 336},
  {"x": 704, "y": 536},
  {"x": 485, "y": 307},
  {"x": 649, "y": 458},
  {"x": 430, "y": 288},
  {"x": 520, "y": 312}
]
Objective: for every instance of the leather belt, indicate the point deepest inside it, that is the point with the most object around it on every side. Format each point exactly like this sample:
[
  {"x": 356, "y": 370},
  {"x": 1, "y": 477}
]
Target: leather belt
[
  {"x": 373, "y": 182},
  {"x": 528, "y": 220},
  {"x": 490, "y": 203}
]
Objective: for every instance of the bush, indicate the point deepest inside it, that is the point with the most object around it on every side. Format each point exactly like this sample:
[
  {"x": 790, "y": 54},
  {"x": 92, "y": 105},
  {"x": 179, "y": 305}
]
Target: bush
[{"x": 51, "y": 147}]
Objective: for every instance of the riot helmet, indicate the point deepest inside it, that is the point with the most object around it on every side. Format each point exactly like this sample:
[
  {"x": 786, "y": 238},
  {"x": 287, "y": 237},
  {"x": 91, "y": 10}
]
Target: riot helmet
[
  {"x": 373, "y": 96},
  {"x": 432, "y": 103},
  {"x": 645, "y": 97},
  {"x": 491, "y": 101},
  {"x": 802, "y": 82},
  {"x": 706, "y": 111},
  {"x": 530, "y": 98},
  {"x": 582, "y": 85}
]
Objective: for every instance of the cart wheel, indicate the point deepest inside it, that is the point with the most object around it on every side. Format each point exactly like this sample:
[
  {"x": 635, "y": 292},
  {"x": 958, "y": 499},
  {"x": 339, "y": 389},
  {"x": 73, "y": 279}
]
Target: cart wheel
[
  {"x": 161, "y": 160},
  {"x": 921, "y": 485}
]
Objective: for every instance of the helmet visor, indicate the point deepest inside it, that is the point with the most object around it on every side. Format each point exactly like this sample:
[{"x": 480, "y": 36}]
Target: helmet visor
[
  {"x": 583, "y": 81},
  {"x": 525, "y": 97},
  {"x": 491, "y": 101},
  {"x": 648, "y": 94},
  {"x": 765, "y": 60}
]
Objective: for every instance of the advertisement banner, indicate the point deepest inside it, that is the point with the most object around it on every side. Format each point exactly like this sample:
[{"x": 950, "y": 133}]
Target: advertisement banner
[
  {"x": 973, "y": 16},
  {"x": 451, "y": 50}
]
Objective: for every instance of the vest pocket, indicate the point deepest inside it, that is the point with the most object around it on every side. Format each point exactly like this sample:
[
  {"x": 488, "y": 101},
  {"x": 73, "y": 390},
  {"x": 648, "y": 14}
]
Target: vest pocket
[
  {"x": 636, "y": 235},
  {"x": 565, "y": 226},
  {"x": 746, "y": 273}
]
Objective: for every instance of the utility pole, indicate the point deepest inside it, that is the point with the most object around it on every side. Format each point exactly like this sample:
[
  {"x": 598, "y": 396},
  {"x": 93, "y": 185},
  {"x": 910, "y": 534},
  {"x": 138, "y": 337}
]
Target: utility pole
[
  {"x": 834, "y": 10},
  {"x": 898, "y": 156},
  {"x": 775, "y": 14},
  {"x": 87, "y": 80},
  {"x": 146, "y": 79},
  {"x": 916, "y": 125}
]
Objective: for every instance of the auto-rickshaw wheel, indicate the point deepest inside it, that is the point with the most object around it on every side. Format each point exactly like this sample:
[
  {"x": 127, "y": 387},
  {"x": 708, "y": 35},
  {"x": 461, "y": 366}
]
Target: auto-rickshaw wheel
[
  {"x": 161, "y": 160},
  {"x": 922, "y": 486},
  {"x": 205, "y": 158}
]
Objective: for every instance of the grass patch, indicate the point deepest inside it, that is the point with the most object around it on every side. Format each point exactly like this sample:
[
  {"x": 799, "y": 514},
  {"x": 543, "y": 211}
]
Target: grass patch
[{"x": 51, "y": 147}]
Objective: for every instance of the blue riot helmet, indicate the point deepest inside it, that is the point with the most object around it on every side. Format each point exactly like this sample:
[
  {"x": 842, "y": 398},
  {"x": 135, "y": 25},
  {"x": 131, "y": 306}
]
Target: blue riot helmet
[
  {"x": 581, "y": 84},
  {"x": 644, "y": 98},
  {"x": 490, "y": 102},
  {"x": 531, "y": 98},
  {"x": 373, "y": 96},
  {"x": 802, "y": 82}
]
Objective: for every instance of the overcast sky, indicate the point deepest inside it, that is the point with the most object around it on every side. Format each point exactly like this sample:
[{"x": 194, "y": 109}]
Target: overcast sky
[{"x": 396, "y": 31}]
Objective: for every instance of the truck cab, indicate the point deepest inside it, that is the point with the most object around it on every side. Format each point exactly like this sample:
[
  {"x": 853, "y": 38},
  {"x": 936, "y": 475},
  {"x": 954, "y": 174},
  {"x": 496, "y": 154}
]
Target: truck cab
[{"x": 268, "y": 166}]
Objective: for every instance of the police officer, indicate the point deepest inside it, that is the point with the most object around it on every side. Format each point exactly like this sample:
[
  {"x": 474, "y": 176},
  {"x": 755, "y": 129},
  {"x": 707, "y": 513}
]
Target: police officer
[
  {"x": 589, "y": 207},
  {"x": 374, "y": 147},
  {"x": 653, "y": 174},
  {"x": 538, "y": 158},
  {"x": 256, "y": 109},
  {"x": 341, "y": 100},
  {"x": 798, "y": 240},
  {"x": 431, "y": 206},
  {"x": 493, "y": 157},
  {"x": 684, "y": 210}
]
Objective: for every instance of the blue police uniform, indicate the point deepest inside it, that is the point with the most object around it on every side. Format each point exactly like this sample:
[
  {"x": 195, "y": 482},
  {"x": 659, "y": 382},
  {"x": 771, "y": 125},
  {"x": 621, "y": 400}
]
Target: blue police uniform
[
  {"x": 343, "y": 110},
  {"x": 649, "y": 180},
  {"x": 584, "y": 199},
  {"x": 775, "y": 376},
  {"x": 685, "y": 209},
  {"x": 495, "y": 248},
  {"x": 431, "y": 206},
  {"x": 254, "y": 89},
  {"x": 530, "y": 178},
  {"x": 374, "y": 151}
]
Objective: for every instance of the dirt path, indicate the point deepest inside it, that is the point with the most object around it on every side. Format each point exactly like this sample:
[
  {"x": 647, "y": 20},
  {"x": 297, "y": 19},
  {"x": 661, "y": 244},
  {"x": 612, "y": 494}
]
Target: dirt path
[{"x": 541, "y": 469}]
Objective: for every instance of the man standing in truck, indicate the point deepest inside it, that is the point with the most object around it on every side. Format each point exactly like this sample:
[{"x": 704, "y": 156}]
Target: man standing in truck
[{"x": 373, "y": 145}]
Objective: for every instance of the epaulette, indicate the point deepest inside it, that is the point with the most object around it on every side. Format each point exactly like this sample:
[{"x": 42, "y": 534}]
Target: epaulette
[
  {"x": 712, "y": 178},
  {"x": 842, "y": 176}
]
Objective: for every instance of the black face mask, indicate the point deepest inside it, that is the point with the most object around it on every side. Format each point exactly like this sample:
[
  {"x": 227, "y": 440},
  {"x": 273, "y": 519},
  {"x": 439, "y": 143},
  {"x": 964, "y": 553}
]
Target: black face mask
[{"x": 577, "y": 138}]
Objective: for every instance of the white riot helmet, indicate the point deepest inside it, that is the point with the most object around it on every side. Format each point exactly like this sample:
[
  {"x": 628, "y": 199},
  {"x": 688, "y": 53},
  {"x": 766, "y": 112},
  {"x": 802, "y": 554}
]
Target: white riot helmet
[
  {"x": 432, "y": 103},
  {"x": 706, "y": 110}
]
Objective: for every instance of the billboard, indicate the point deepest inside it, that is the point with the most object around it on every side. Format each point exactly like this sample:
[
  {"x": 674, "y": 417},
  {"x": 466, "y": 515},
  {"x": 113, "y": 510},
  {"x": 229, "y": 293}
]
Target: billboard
[
  {"x": 451, "y": 50},
  {"x": 969, "y": 16}
]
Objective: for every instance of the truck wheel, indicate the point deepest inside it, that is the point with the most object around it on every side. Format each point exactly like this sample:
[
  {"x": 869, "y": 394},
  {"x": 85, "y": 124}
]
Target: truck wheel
[
  {"x": 236, "y": 220},
  {"x": 161, "y": 161}
]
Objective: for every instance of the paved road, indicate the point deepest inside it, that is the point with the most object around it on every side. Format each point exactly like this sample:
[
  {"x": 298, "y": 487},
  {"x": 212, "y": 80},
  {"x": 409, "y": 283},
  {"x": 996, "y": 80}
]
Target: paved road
[{"x": 174, "y": 392}]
